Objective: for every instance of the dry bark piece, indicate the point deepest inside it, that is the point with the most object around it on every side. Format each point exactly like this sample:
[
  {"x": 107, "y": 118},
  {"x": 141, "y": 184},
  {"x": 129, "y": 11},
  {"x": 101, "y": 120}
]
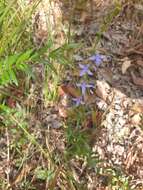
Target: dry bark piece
[
  {"x": 102, "y": 90},
  {"x": 126, "y": 64}
]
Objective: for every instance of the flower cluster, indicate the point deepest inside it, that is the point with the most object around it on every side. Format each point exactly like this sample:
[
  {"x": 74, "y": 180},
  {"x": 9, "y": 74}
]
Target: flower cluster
[{"x": 85, "y": 71}]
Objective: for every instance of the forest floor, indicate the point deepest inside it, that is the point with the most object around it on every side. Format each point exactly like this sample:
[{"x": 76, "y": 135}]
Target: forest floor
[{"x": 88, "y": 133}]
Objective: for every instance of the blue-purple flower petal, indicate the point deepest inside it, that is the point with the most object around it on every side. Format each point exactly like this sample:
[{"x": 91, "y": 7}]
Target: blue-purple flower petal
[
  {"x": 97, "y": 59},
  {"x": 78, "y": 101},
  {"x": 85, "y": 70},
  {"x": 84, "y": 86}
]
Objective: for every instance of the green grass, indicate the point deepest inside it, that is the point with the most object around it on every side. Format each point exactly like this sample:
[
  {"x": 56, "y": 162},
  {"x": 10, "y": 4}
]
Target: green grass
[{"x": 18, "y": 56}]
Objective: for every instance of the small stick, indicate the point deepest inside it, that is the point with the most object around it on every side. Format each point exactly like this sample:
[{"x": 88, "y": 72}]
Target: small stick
[{"x": 8, "y": 158}]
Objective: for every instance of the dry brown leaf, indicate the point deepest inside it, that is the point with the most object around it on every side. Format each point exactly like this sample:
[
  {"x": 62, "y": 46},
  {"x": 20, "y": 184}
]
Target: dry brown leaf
[
  {"x": 89, "y": 98},
  {"x": 131, "y": 157},
  {"x": 11, "y": 102},
  {"x": 93, "y": 120},
  {"x": 137, "y": 108},
  {"x": 23, "y": 172},
  {"x": 54, "y": 180},
  {"x": 70, "y": 90},
  {"x": 61, "y": 91},
  {"x": 137, "y": 80},
  {"x": 88, "y": 123},
  {"x": 102, "y": 90},
  {"x": 97, "y": 118},
  {"x": 63, "y": 112},
  {"x": 126, "y": 64},
  {"x": 107, "y": 74},
  {"x": 136, "y": 119}
]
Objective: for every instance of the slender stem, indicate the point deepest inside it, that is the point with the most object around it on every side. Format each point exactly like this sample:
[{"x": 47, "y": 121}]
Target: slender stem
[{"x": 33, "y": 140}]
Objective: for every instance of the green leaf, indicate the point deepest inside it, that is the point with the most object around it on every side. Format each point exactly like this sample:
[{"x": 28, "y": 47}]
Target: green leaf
[
  {"x": 43, "y": 174},
  {"x": 50, "y": 65},
  {"x": 5, "y": 77},
  {"x": 12, "y": 76},
  {"x": 24, "y": 56},
  {"x": 40, "y": 52},
  {"x": 71, "y": 46},
  {"x": 5, "y": 108},
  {"x": 23, "y": 67},
  {"x": 11, "y": 60}
]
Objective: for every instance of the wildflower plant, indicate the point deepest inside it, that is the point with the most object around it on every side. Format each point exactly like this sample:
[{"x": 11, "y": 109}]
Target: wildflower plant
[
  {"x": 84, "y": 86},
  {"x": 85, "y": 70},
  {"x": 84, "y": 73},
  {"x": 78, "y": 101},
  {"x": 97, "y": 59}
]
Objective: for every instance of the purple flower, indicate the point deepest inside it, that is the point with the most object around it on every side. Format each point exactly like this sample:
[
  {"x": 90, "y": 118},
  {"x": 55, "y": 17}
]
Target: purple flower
[
  {"x": 97, "y": 59},
  {"x": 85, "y": 70},
  {"x": 78, "y": 101},
  {"x": 84, "y": 86}
]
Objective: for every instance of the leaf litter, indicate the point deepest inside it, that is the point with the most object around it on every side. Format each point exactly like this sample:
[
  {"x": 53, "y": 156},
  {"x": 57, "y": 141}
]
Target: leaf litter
[
  {"x": 119, "y": 122},
  {"x": 118, "y": 138}
]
